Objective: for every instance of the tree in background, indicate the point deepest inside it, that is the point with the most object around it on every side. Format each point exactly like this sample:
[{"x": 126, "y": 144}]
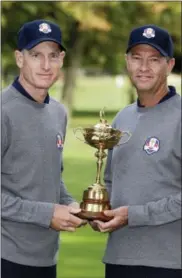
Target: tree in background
[
  {"x": 86, "y": 17},
  {"x": 94, "y": 33}
]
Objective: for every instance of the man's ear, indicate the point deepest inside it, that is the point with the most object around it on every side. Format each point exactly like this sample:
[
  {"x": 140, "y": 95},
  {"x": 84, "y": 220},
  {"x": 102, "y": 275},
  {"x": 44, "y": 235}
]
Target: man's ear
[
  {"x": 171, "y": 64},
  {"x": 63, "y": 54},
  {"x": 19, "y": 58}
]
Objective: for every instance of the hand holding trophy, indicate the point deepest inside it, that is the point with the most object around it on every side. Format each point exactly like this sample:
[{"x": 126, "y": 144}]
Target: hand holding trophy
[{"x": 95, "y": 198}]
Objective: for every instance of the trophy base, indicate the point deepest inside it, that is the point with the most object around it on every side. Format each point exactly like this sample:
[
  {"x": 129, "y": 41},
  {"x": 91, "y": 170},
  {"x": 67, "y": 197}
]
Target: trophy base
[
  {"x": 95, "y": 202},
  {"x": 90, "y": 216}
]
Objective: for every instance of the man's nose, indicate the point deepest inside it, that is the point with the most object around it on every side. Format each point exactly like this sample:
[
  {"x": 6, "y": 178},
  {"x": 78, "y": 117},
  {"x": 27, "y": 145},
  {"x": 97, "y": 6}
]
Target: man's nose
[
  {"x": 144, "y": 64},
  {"x": 46, "y": 65}
]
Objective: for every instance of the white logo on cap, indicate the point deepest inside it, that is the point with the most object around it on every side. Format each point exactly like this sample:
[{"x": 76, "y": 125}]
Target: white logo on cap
[
  {"x": 149, "y": 33},
  {"x": 45, "y": 28}
]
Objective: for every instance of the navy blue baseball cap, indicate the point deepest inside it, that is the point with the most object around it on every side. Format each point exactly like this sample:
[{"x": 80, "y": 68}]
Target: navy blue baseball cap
[
  {"x": 154, "y": 36},
  {"x": 37, "y": 31}
]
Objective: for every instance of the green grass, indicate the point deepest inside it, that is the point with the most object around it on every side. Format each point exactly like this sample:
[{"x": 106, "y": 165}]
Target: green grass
[{"x": 80, "y": 254}]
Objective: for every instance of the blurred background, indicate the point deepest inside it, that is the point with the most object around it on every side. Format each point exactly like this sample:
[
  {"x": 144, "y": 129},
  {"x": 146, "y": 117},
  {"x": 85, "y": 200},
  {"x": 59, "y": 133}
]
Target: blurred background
[{"x": 94, "y": 76}]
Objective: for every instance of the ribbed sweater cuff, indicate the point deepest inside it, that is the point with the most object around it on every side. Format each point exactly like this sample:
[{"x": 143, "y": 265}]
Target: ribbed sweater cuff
[
  {"x": 137, "y": 216},
  {"x": 45, "y": 214}
]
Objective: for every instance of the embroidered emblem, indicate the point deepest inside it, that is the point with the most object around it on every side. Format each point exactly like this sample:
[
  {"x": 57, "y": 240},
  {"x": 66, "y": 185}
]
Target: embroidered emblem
[
  {"x": 45, "y": 28},
  {"x": 151, "y": 145},
  {"x": 149, "y": 33},
  {"x": 59, "y": 141}
]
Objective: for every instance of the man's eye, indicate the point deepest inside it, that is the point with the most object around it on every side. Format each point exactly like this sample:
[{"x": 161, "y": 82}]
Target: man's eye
[
  {"x": 154, "y": 59},
  {"x": 136, "y": 57},
  {"x": 35, "y": 55},
  {"x": 54, "y": 55}
]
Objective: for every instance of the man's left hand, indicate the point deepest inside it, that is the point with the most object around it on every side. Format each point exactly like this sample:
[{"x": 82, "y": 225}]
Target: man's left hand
[{"x": 120, "y": 219}]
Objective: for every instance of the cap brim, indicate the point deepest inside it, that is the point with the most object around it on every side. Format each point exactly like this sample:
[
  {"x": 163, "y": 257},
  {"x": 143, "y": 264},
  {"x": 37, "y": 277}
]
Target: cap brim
[
  {"x": 162, "y": 52},
  {"x": 34, "y": 43}
]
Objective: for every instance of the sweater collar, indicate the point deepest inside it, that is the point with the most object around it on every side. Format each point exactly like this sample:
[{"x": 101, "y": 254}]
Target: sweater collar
[
  {"x": 16, "y": 84},
  {"x": 171, "y": 93}
]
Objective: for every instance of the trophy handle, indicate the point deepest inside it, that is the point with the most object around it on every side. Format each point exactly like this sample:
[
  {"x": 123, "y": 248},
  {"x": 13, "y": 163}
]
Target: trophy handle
[
  {"x": 78, "y": 129},
  {"x": 129, "y": 136}
]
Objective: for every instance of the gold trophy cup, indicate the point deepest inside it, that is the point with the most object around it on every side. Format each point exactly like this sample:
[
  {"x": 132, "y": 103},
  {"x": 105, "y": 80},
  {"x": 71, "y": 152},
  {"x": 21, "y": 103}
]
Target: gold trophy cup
[{"x": 95, "y": 198}]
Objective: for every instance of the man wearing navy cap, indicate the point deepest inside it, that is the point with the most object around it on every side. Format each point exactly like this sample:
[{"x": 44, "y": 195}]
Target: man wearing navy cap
[
  {"x": 35, "y": 202},
  {"x": 143, "y": 176}
]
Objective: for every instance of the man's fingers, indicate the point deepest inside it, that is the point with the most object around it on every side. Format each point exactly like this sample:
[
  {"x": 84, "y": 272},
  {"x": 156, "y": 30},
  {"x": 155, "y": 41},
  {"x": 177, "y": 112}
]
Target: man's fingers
[
  {"x": 75, "y": 220},
  {"x": 105, "y": 225},
  {"x": 83, "y": 223},
  {"x": 74, "y": 210},
  {"x": 109, "y": 213},
  {"x": 70, "y": 229},
  {"x": 106, "y": 230},
  {"x": 96, "y": 225},
  {"x": 98, "y": 222},
  {"x": 67, "y": 226}
]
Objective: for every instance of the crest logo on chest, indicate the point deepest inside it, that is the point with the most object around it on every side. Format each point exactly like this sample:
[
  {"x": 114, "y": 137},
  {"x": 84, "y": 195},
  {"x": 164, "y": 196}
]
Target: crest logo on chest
[{"x": 152, "y": 145}]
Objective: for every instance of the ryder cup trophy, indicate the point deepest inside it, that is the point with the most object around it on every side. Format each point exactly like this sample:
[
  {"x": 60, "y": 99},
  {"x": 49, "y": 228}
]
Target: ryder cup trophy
[{"x": 102, "y": 137}]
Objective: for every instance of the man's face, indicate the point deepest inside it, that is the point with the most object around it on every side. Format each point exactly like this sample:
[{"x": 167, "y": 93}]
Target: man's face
[
  {"x": 148, "y": 70},
  {"x": 40, "y": 66}
]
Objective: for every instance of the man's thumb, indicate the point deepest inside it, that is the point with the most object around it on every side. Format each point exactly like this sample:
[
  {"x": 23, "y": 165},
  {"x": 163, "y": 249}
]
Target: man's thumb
[
  {"x": 74, "y": 210},
  {"x": 109, "y": 213}
]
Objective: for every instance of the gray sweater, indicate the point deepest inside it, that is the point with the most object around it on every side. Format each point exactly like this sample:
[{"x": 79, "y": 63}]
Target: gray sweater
[
  {"x": 145, "y": 174},
  {"x": 32, "y": 146}
]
